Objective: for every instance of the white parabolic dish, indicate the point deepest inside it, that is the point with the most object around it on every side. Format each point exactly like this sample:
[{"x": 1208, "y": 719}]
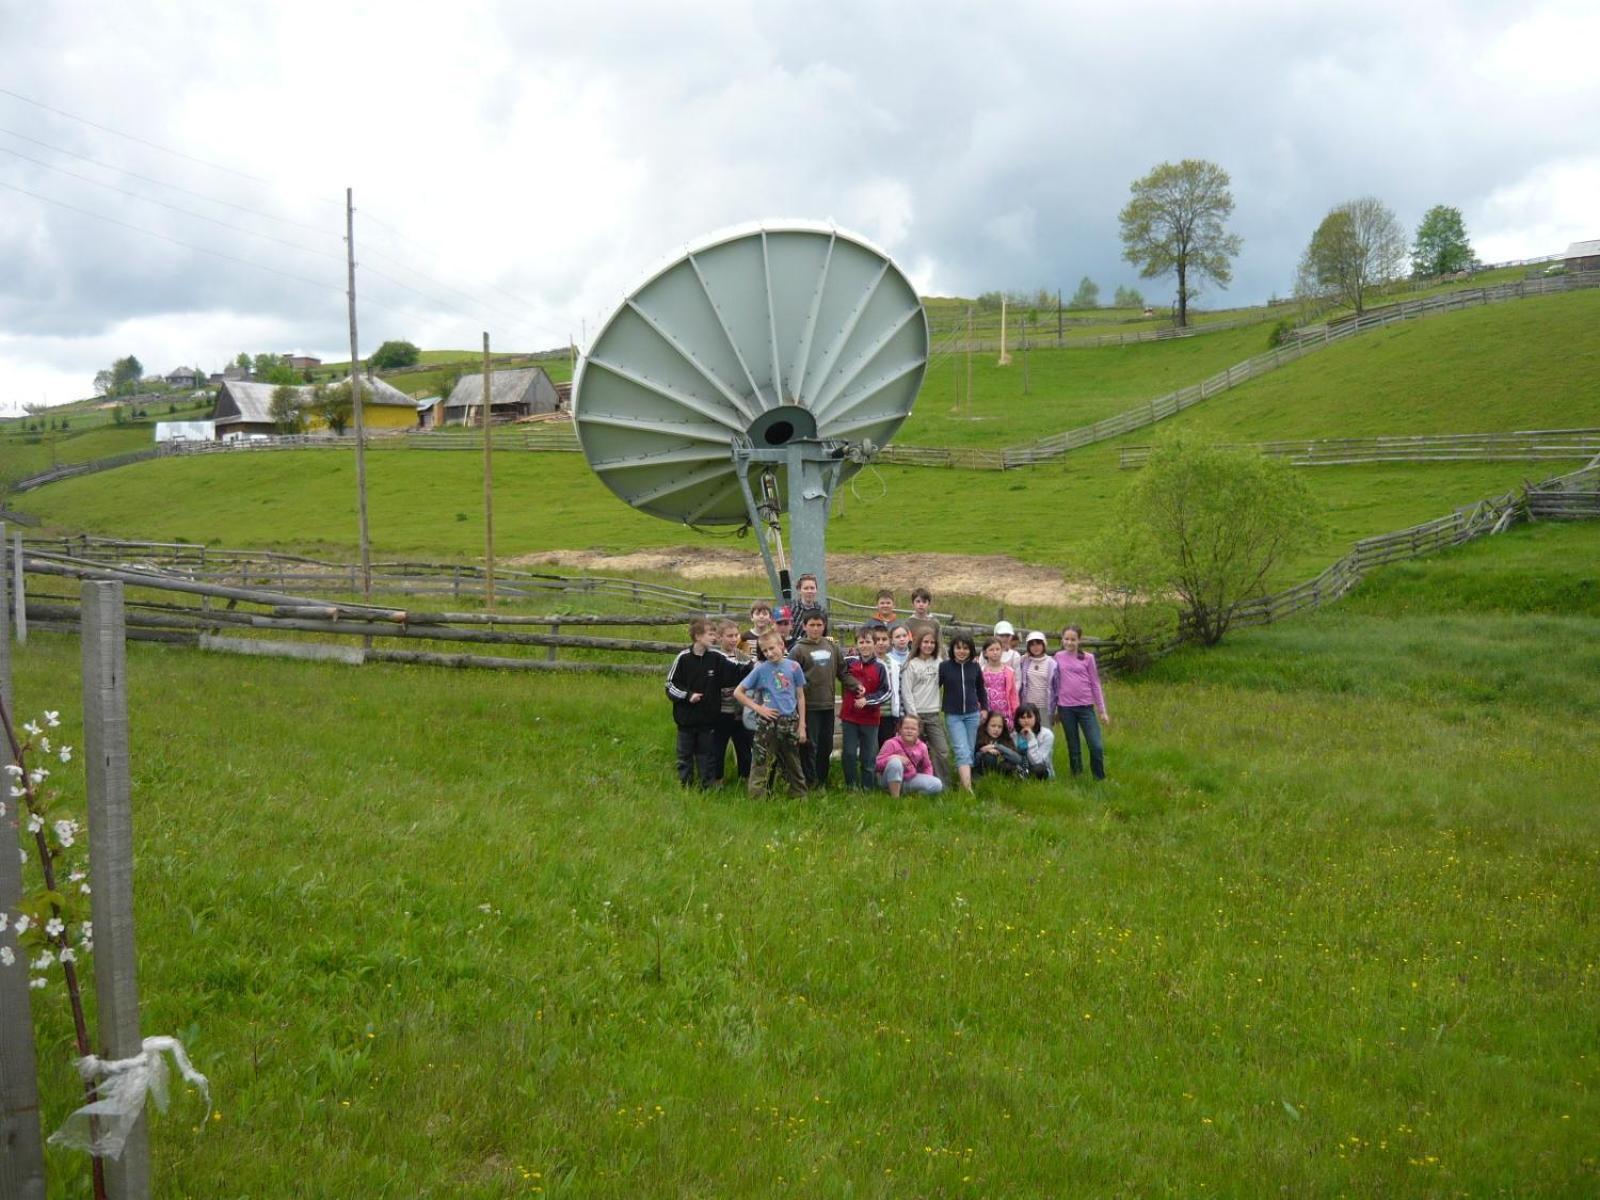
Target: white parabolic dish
[{"x": 775, "y": 331}]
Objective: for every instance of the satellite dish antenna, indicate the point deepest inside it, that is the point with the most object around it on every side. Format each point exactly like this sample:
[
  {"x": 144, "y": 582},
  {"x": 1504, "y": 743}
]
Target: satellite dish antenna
[{"x": 748, "y": 377}]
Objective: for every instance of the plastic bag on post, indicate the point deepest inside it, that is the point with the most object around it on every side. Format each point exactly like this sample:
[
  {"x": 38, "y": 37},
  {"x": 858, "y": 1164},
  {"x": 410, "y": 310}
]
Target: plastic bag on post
[{"x": 102, "y": 1128}]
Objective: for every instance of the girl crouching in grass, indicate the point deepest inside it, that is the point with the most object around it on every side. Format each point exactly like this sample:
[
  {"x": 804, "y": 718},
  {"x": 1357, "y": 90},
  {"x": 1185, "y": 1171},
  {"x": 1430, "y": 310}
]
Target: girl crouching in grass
[
  {"x": 1036, "y": 742},
  {"x": 903, "y": 762},
  {"x": 996, "y": 751}
]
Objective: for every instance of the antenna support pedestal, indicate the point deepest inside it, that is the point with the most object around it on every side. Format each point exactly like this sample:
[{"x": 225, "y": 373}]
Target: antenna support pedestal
[{"x": 812, "y": 468}]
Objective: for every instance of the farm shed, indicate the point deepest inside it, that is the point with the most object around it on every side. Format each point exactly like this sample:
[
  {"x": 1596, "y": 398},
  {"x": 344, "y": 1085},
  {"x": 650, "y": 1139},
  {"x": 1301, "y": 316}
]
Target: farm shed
[
  {"x": 1583, "y": 256},
  {"x": 243, "y": 408},
  {"x": 519, "y": 393},
  {"x": 186, "y": 431},
  {"x": 302, "y": 362}
]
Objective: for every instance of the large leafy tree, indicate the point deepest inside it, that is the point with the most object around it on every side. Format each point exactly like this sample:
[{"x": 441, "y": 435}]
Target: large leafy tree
[
  {"x": 392, "y": 355},
  {"x": 1441, "y": 246},
  {"x": 125, "y": 375},
  {"x": 1174, "y": 224},
  {"x": 1087, "y": 295},
  {"x": 1206, "y": 525},
  {"x": 1358, "y": 246}
]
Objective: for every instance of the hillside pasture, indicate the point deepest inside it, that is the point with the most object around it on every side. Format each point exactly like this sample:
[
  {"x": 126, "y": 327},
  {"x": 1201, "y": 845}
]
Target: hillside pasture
[
  {"x": 1329, "y": 930},
  {"x": 429, "y": 505}
]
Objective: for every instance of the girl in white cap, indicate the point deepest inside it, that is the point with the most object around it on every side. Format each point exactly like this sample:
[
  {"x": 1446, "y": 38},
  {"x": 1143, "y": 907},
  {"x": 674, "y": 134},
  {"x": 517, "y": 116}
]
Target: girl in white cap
[
  {"x": 1036, "y": 676},
  {"x": 1010, "y": 656}
]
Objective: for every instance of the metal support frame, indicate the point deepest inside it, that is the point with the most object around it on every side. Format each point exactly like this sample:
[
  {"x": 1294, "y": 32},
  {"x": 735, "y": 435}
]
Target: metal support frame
[{"x": 812, "y": 469}]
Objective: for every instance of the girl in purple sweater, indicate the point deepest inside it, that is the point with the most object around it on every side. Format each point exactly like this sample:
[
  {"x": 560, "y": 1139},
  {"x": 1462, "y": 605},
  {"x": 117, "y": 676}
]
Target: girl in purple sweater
[{"x": 1078, "y": 698}]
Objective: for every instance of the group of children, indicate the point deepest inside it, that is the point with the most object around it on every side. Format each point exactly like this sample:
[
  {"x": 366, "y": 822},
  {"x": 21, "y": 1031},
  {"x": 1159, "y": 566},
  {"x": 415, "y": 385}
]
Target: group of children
[{"x": 911, "y": 708}]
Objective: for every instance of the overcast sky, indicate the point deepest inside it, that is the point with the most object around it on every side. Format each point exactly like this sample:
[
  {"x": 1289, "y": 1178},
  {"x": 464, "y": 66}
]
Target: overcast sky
[{"x": 518, "y": 165}]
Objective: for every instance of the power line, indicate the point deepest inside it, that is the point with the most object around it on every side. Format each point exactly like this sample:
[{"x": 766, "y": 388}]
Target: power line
[
  {"x": 477, "y": 302},
  {"x": 173, "y": 207},
  {"x": 164, "y": 237},
  {"x": 172, "y": 186},
  {"x": 61, "y": 112}
]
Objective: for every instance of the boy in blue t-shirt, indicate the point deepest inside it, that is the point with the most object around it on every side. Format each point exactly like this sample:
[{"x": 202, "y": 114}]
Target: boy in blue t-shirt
[{"x": 773, "y": 691}]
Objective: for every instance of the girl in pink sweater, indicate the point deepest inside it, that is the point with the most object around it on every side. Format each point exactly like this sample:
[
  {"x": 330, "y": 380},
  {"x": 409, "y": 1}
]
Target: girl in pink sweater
[
  {"x": 903, "y": 762},
  {"x": 1078, "y": 698}
]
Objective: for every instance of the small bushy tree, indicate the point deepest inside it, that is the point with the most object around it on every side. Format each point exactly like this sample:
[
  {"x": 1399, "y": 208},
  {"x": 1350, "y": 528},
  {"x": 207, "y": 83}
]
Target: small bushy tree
[
  {"x": 1128, "y": 297},
  {"x": 333, "y": 405},
  {"x": 1087, "y": 295},
  {"x": 1206, "y": 525},
  {"x": 285, "y": 411}
]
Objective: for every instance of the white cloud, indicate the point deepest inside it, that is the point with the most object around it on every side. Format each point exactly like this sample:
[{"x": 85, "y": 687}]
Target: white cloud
[{"x": 538, "y": 158}]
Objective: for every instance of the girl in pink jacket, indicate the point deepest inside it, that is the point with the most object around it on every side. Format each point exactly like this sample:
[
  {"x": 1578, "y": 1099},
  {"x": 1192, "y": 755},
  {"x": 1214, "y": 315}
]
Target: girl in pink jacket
[
  {"x": 903, "y": 762},
  {"x": 1078, "y": 699}
]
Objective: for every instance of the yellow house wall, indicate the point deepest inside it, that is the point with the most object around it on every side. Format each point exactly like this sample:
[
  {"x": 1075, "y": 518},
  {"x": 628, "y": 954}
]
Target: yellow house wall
[{"x": 373, "y": 416}]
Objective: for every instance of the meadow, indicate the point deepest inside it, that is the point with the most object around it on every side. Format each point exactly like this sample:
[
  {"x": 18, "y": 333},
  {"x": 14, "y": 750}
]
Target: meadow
[
  {"x": 1329, "y": 929},
  {"x": 430, "y": 506}
]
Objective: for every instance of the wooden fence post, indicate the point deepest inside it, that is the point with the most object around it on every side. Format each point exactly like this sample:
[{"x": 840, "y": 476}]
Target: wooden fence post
[
  {"x": 105, "y": 746},
  {"x": 19, "y": 592},
  {"x": 21, "y": 1149}
]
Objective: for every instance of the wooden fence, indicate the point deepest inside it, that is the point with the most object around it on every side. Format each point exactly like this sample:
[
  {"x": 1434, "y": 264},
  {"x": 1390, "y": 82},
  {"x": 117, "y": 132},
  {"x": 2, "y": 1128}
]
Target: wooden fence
[
  {"x": 225, "y": 599},
  {"x": 1308, "y": 341},
  {"x": 298, "y": 575},
  {"x": 1539, "y": 445}
]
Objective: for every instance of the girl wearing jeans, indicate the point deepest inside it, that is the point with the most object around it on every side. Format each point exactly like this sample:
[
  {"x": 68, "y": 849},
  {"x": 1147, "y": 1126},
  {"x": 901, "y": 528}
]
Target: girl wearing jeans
[
  {"x": 961, "y": 682},
  {"x": 903, "y": 762},
  {"x": 1078, "y": 697}
]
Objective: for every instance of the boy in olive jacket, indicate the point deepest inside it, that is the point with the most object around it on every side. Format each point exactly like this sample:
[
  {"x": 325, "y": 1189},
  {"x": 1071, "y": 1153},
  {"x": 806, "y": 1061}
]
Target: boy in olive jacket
[{"x": 820, "y": 659}]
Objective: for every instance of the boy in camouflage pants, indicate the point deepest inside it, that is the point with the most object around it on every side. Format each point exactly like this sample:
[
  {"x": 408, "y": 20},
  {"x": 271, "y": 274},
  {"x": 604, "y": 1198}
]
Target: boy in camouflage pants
[{"x": 780, "y": 684}]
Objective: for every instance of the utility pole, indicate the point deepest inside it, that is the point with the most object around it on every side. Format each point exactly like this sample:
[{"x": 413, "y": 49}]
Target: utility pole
[
  {"x": 1005, "y": 359},
  {"x": 1025, "y": 356},
  {"x": 355, "y": 396},
  {"x": 1058, "y": 318},
  {"x": 488, "y": 484},
  {"x": 969, "y": 358}
]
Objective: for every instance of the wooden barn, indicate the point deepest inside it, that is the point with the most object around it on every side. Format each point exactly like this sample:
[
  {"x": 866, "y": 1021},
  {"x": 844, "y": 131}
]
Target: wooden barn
[
  {"x": 1583, "y": 256},
  {"x": 519, "y": 393}
]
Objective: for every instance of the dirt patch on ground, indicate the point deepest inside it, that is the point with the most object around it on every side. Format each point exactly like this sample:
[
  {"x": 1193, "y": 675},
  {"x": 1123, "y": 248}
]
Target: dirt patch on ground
[{"x": 998, "y": 576}]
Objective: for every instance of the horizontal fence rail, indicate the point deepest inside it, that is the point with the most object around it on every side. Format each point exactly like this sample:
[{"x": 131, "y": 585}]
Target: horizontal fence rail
[
  {"x": 1539, "y": 445},
  {"x": 236, "y": 601}
]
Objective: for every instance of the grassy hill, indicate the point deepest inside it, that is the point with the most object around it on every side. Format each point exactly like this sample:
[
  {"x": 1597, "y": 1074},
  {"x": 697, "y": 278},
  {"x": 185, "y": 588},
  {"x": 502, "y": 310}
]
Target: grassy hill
[
  {"x": 431, "y": 505},
  {"x": 1330, "y": 927},
  {"x": 1531, "y": 364}
]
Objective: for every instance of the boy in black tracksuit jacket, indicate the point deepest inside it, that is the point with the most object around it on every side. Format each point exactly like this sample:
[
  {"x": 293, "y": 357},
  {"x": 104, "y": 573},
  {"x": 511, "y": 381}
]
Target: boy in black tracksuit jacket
[{"x": 695, "y": 685}]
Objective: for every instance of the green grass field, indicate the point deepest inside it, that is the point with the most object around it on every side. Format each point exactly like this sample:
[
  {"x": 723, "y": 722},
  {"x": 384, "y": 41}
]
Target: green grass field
[
  {"x": 1330, "y": 929},
  {"x": 1525, "y": 364},
  {"x": 22, "y": 455}
]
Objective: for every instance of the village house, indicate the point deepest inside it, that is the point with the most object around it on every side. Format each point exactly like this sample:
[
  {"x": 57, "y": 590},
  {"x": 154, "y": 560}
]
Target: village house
[
  {"x": 513, "y": 394},
  {"x": 245, "y": 408},
  {"x": 302, "y": 362},
  {"x": 184, "y": 377}
]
